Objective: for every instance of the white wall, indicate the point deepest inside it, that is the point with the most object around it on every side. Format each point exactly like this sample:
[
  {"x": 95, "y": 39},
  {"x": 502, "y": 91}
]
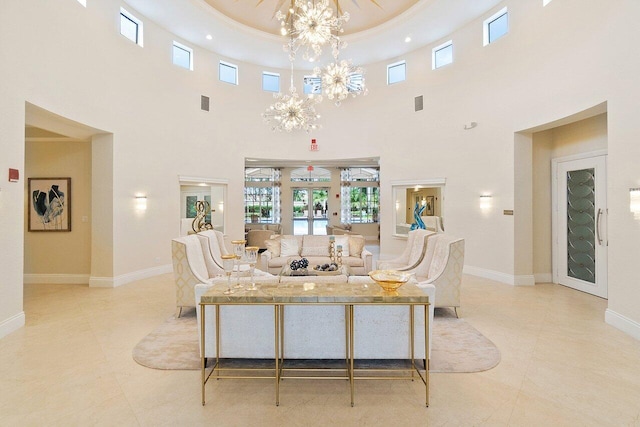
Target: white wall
[{"x": 556, "y": 61}]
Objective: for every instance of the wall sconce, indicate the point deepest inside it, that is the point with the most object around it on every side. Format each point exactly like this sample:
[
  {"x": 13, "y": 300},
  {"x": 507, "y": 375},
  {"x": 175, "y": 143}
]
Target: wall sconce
[
  {"x": 634, "y": 202},
  {"x": 397, "y": 204},
  {"x": 424, "y": 201},
  {"x": 221, "y": 206},
  {"x": 485, "y": 202},
  {"x": 141, "y": 203}
]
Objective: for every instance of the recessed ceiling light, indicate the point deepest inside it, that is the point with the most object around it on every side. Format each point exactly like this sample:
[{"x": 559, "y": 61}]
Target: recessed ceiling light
[
  {"x": 209, "y": 37},
  {"x": 407, "y": 39}
]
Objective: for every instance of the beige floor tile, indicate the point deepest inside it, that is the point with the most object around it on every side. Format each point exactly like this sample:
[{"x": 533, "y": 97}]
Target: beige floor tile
[{"x": 561, "y": 365}]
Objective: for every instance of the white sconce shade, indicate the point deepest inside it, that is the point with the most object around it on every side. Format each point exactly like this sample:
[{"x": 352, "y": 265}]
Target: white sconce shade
[
  {"x": 424, "y": 201},
  {"x": 397, "y": 205},
  {"x": 141, "y": 203},
  {"x": 634, "y": 202},
  {"x": 485, "y": 202}
]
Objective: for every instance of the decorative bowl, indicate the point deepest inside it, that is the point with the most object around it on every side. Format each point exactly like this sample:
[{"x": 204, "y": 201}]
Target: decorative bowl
[{"x": 390, "y": 280}]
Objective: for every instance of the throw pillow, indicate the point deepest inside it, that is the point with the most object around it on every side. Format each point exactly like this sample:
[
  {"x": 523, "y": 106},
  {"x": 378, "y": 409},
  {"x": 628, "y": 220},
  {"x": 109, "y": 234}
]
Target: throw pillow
[
  {"x": 343, "y": 241},
  {"x": 315, "y": 246},
  {"x": 289, "y": 246},
  {"x": 273, "y": 246},
  {"x": 356, "y": 245}
]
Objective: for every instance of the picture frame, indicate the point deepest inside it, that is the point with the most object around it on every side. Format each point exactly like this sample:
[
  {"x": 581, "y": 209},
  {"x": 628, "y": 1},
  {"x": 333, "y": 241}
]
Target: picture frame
[{"x": 49, "y": 204}]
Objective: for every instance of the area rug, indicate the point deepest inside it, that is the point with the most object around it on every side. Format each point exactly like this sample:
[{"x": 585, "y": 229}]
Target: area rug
[{"x": 457, "y": 346}]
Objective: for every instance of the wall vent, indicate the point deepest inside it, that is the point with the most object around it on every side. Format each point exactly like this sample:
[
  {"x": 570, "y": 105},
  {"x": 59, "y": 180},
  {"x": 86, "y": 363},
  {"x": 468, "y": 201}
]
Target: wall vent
[
  {"x": 418, "y": 103},
  {"x": 204, "y": 103}
]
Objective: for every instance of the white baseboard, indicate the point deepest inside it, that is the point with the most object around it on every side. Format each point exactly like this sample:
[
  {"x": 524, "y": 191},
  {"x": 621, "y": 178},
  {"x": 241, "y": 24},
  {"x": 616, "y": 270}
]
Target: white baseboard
[
  {"x": 509, "y": 279},
  {"x": 112, "y": 282},
  {"x": 11, "y": 324},
  {"x": 626, "y": 325},
  {"x": 543, "y": 277},
  {"x": 56, "y": 279}
]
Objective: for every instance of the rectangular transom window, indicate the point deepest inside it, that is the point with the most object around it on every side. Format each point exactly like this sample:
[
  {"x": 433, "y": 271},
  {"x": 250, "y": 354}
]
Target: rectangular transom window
[
  {"x": 396, "y": 72},
  {"x": 270, "y": 82},
  {"x": 130, "y": 27},
  {"x": 496, "y": 26},
  {"x": 442, "y": 55},
  {"x": 312, "y": 85},
  {"x": 182, "y": 56},
  {"x": 228, "y": 73}
]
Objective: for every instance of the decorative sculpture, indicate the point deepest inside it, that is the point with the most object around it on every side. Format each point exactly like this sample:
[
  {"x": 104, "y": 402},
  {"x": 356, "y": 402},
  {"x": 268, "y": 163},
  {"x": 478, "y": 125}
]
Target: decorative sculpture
[
  {"x": 199, "y": 223},
  {"x": 417, "y": 211}
]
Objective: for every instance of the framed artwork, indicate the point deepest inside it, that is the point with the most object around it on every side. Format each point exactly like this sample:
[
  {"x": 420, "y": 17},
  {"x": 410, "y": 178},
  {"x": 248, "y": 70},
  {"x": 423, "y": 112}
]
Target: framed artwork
[
  {"x": 49, "y": 204},
  {"x": 429, "y": 211}
]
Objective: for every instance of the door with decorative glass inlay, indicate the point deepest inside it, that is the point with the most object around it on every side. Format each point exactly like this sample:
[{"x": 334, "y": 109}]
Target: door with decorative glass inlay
[{"x": 580, "y": 232}]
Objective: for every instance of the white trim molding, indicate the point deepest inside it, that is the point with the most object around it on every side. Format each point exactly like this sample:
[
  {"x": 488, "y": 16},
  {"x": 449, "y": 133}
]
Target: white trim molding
[
  {"x": 123, "y": 279},
  {"x": 509, "y": 279},
  {"x": 11, "y": 324},
  {"x": 56, "y": 279},
  {"x": 623, "y": 323}
]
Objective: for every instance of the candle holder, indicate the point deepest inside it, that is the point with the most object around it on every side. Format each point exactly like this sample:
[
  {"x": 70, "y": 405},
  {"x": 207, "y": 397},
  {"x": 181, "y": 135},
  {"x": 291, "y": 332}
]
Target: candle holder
[
  {"x": 339, "y": 256},
  {"x": 332, "y": 248}
]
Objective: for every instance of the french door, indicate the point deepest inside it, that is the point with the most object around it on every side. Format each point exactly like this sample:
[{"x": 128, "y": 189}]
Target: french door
[
  {"x": 580, "y": 224},
  {"x": 310, "y": 211}
]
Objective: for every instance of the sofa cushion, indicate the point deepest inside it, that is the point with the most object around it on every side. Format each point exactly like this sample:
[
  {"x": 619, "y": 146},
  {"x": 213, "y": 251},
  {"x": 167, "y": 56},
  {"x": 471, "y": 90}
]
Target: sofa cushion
[
  {"x": 343, "y": 241},
  {"x": 356, "y": 245},
  {"x": 315, "y": 246},
  {"x": 289, "y": 246},
  {"x": 273, "y": 246}
]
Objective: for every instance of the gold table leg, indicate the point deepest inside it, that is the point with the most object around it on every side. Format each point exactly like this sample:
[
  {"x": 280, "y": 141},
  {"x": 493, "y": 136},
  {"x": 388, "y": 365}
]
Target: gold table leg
[
  {"x": 276, "y": 313},
  {"x": 351, "y": 355},
  {"x": 426, "y": 352},
  {"x": 202, "y": 352}
]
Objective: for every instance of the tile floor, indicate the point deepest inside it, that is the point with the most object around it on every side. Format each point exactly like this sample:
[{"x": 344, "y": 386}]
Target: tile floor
[{"x": 561, "y": 366}]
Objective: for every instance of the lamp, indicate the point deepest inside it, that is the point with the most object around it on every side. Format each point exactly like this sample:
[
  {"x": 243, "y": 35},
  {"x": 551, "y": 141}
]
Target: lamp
[
  {"x": 141, "y": 203},
  {"x": 634, "y": 202},
  {"x": 485, "y": 202}
]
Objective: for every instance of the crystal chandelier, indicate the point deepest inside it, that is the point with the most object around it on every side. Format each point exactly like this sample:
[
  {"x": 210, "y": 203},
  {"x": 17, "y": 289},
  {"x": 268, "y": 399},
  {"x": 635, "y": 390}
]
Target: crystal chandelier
[
  {"x": 341, "y": 79},
  {"x": 290, "y": 111},
  {"x": 312, "y": 25}
]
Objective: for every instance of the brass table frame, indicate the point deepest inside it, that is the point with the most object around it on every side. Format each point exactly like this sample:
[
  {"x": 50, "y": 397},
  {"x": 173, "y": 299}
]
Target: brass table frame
[{"x": 296, "y": 294}]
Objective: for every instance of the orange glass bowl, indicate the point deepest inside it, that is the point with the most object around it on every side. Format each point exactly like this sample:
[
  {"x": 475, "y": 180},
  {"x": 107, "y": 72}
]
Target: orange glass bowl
[{"x": 390, "y": 280}]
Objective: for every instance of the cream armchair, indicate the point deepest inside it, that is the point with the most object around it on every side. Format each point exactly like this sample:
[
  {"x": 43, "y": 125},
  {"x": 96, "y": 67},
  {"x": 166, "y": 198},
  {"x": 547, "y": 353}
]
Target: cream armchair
[
  {"x": 412, "y": 255},
  {"x": 213, "y": 247},
  {"x": 445, "y": 269},
  {"x": 189, "y": 269},
  {"x": 258, "y": 237}
]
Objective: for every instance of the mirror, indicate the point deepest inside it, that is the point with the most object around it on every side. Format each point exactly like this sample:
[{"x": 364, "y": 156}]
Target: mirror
[
  {"x": 210, "y": 191},
  {"x": 428, "y": 195}
]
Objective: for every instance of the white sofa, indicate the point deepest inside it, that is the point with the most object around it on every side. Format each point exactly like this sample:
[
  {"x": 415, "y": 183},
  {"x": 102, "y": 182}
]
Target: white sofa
[
  {"x": 280, "y": 249},
  {"x": 316, "y": 332}
]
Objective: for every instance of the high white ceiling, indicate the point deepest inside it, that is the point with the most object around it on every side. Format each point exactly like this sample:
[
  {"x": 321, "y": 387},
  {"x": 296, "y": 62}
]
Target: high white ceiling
[{"x": 244, "y": 29}]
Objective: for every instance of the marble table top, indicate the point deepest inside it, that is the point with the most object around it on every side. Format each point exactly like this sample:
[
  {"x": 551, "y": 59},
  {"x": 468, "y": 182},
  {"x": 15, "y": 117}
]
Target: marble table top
[{"x": 316, "y": 293}]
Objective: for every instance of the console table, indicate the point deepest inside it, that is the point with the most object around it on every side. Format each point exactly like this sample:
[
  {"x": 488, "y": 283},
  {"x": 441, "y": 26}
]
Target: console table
[{"x": 308, "y": 294}]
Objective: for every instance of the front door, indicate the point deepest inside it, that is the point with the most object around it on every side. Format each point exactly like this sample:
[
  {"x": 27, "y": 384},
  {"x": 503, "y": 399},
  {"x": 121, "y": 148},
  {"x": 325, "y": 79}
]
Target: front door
[
  {"x": 580, "y": 232},
  {"x": 310, "y": 211}
]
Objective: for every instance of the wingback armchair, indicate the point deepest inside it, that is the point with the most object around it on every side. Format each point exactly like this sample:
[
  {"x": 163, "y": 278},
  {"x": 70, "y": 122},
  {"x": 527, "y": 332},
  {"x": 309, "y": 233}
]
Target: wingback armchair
[
  {"x": 413, "y": 252},
  {"x": 189, "y": 269},
  {"x": 445, "y": 269}
]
